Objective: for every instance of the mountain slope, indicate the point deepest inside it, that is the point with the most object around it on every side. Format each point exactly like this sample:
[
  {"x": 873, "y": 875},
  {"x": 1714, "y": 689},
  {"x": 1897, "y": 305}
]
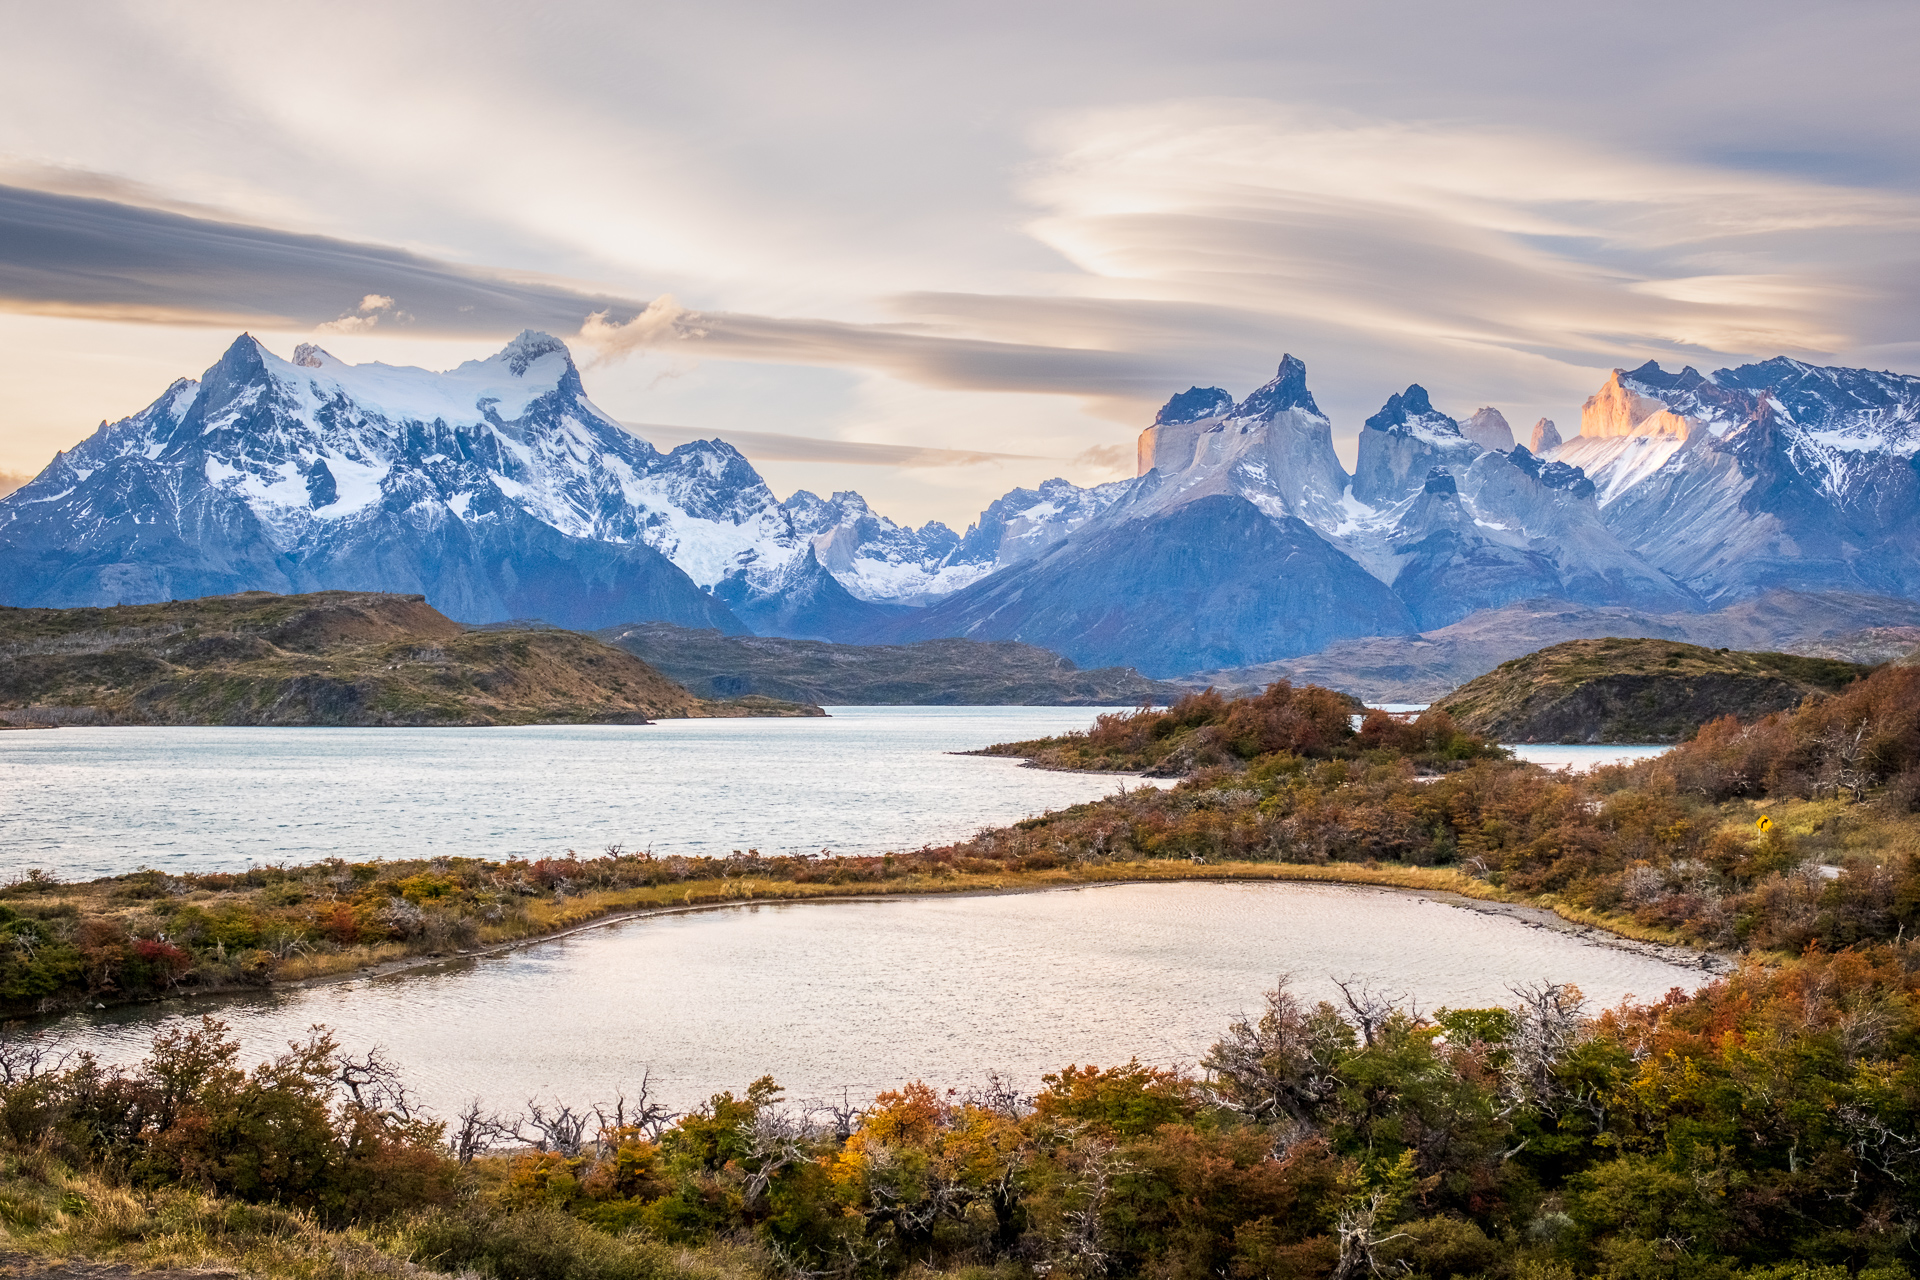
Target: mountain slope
[
  {"x": 930, "y": 673},
  {"x": 1211, "y": 582},
  {"x": 329, "y": 658},
  {"x": 1776, "y": 474}
]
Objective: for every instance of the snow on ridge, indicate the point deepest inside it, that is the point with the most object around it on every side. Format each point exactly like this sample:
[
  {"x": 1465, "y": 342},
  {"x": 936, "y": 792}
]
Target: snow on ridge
[{"x": 461, "y": 396}]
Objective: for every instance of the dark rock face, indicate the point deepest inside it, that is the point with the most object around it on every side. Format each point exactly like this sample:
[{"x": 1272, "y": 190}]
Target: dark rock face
[
  {"x": 1195, "y": 404},
  {"x": 1288, "y": 390},
  {"x": 1206, "y": 584}
]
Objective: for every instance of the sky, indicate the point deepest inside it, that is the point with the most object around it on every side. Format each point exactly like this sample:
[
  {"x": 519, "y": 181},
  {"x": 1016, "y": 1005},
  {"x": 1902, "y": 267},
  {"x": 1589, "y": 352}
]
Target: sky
[{"x": 932, "y": 252}]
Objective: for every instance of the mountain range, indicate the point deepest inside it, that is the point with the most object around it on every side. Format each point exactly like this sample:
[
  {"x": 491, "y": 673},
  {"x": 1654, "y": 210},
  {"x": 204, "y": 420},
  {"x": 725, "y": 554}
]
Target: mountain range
[{"x": 498, "y": 491}]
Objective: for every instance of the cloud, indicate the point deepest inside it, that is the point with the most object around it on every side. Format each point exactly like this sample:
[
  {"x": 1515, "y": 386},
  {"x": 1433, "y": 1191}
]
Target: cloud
[
  {"x": 1119, "y": 458},
  {"x": 9, "y": 481},
  {"x": 1461, "y": 235},
  {"x": 1201, "y": 237},
  {"x": 70, "y": 255},
  {"x": 912, "y": 352},
  {"x": 365, "y": 316},
  {"x": 774, "y": 447}
]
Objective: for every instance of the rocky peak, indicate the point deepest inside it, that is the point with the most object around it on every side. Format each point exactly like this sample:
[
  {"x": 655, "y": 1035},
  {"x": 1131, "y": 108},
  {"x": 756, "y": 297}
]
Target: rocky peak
[
  {"x": 243, "y": 366},
  {"x": 1411, "y": 410},
  {"x": 1620, "y": 408},
  {"x": 1545, "y": 437},
  {"x": 1287, "y": 390},
  {"x": 1196, "y": 404},
  {"x": 1488, "y": 428}
]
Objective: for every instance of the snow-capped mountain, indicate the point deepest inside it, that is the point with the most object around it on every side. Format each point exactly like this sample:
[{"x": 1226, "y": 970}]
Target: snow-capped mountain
[
  {"x": 1243, "y": 534},
  {"x": 496, "y": 489},
  {"x": 1776, "y": 474}
]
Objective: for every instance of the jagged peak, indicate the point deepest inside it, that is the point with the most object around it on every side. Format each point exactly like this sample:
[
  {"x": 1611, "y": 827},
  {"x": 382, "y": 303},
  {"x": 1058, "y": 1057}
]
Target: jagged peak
[
  {"x": 309, "y": 355},
  {"x": 1287, "y": 390},
  {"x": 1196, "y": 404},
  {"x": 1408, "y": 405},
  {"x": 1652, "y": 375}
]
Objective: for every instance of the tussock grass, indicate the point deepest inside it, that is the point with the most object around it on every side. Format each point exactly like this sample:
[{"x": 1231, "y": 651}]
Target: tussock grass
[{"x": 54, "y": 1214}]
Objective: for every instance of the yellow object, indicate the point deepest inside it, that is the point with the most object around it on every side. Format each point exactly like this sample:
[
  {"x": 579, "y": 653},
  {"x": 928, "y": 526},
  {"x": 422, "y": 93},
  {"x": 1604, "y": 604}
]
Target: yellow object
[{"x": 1765, "y": 823}]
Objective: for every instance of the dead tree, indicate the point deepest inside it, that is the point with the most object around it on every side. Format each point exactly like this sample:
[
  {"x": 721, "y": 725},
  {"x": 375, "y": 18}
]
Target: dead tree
[
  {"x": 640, "y": 1115},
  {"x": 557, "y": 1128},
  {"x": 373, "y": 1083},
  {"x": 475, "y": 1132},
  {"x": 1371, "y": 1009}
]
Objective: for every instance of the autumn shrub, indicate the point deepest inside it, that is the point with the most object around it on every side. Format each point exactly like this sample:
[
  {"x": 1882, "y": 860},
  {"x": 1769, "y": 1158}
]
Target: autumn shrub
[{"x": 285, "y": 1132}]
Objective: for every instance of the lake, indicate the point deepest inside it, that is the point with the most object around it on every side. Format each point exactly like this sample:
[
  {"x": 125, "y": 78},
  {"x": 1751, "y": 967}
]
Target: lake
[
  {"x": 85, "y": 802},
  {"x": 864, "y": 996},
  {"x": 90, "y": 802},
  {"x": 1581, "y": 757}
]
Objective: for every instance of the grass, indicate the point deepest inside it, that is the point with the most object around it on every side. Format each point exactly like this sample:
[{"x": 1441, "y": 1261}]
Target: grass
[{"x": 54, "y": 1214}]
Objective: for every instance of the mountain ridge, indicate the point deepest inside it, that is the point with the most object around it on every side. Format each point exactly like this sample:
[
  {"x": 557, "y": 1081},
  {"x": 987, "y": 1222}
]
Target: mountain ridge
[{"x": 498, "y": 490}]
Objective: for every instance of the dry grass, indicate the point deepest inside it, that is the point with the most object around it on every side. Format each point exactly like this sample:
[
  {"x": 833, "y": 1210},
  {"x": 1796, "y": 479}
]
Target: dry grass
[{"x": 56, "y": 1216}]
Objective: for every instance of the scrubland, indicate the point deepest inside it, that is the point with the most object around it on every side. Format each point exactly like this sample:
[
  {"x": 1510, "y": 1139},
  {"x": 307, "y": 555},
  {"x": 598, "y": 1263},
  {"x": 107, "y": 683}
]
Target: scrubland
[{"x": 1763, "y": 1126}]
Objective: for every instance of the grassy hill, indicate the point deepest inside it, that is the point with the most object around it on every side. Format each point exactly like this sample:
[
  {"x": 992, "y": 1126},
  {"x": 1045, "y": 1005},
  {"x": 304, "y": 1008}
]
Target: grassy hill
[
  {"x": 1617, "y": 690},
  {"x": 329, "y": 658},
  {"x": 938, "y": 673}
]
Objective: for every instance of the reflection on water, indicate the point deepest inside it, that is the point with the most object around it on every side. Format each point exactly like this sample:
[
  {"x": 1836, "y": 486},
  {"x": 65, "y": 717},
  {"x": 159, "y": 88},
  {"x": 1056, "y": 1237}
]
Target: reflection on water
[
  {"x": 866, "y": 996},
  {"x": 92, "y": 802}
]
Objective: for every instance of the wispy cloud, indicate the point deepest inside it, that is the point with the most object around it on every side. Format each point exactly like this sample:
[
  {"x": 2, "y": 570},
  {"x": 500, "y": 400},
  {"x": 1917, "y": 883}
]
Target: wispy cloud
[
  {"x": 1460, "y": 234},
  {"x": 771, "y": 446},
  {"x": 9, "y": 481},
  {"x": 71, "y": 255}
]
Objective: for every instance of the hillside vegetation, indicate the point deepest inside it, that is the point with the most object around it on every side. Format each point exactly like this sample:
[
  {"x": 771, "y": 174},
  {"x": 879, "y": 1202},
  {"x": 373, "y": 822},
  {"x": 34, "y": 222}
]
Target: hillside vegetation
[
  {"x": 327, "y": 658},
  {"x": 1618, "y": 690},
  {"x": 932, "y": 673},
  {"x": 1759, "y": 1129},
  {"x": 1208, "y": 729}
]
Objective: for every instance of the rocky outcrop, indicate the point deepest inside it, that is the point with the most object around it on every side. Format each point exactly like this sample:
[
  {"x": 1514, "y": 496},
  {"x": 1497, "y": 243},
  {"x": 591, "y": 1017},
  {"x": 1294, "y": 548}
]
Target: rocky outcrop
[
  {"x": 1617, "y": 409},
  {"x": 1544, "y": 438},
  {"x": 1617, "y": 690}
]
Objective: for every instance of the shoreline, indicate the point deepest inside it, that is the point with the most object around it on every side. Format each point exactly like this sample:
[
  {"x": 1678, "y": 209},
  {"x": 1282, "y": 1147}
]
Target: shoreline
[{"x": 1710, "y": 964}]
